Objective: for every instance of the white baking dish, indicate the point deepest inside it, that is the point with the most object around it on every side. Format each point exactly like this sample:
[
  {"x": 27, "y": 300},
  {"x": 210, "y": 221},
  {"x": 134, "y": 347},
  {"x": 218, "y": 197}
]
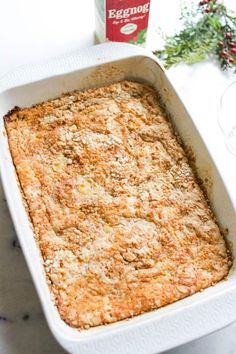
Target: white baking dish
[{"x": 158, "y": 330}]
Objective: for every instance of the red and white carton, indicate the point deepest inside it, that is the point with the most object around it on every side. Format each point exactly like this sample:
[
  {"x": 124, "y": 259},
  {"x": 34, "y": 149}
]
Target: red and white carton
[{"x": 122, "y": 20}]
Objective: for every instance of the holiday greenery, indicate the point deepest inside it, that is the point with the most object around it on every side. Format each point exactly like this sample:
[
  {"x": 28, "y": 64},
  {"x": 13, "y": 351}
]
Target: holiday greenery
[{"x": 209, "y": 30}]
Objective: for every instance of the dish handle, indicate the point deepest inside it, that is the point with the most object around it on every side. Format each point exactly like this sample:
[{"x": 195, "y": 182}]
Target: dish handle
[{"x": 88, "y": 57}]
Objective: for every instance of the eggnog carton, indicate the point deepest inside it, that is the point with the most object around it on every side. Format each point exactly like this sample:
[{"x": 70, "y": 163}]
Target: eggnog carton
[{"x": 122, "y": 20}]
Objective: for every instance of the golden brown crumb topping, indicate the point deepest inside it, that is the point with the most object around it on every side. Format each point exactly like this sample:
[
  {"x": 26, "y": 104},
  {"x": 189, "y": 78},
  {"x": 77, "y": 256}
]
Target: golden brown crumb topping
[{"x": 122, "y": 225}]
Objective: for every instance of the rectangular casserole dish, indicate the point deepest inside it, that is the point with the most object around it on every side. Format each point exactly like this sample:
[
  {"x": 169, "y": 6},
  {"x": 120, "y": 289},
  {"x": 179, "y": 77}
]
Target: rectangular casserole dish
[{"x": 158, "y": 330}]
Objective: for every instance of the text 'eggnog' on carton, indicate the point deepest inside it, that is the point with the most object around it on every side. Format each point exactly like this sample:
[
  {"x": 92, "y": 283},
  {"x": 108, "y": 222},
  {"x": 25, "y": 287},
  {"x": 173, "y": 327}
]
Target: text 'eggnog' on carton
[{"x": 122, "y": 20}]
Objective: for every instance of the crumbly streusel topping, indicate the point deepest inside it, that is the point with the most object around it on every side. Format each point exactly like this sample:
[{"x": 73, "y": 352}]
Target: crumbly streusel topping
[{"x": 121, "y": 222}]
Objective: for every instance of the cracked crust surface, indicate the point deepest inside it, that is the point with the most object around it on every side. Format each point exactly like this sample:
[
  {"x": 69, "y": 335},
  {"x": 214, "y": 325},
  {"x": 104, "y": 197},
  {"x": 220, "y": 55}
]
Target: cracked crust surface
[{"x": 121, "y": 222}]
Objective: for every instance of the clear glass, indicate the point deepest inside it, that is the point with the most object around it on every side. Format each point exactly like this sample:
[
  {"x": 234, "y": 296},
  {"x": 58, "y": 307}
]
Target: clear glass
[{"x": 227, "y": 116}]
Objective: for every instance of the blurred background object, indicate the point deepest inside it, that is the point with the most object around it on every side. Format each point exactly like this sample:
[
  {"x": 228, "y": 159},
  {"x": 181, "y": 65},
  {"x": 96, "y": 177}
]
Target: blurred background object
[
  {"x": 227, "y": 116},
  {"x": 122, "y": 21}
]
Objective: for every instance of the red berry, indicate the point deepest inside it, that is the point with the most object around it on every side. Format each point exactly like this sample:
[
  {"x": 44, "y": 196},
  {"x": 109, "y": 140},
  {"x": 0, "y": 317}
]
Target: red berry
[
  {"x": 232, "y": 44},
  {"x": 228, "y": 35},
  {"x": 207, "y": 10},
  {"x": 224, "y": 54},
  {"x": 206, "y": 1},
  {"x": 221, "y": 44},
  {"x": 135, "y": 38},
  {"x": 231, "y": 60},
  {"x": 233, "y": 50}
]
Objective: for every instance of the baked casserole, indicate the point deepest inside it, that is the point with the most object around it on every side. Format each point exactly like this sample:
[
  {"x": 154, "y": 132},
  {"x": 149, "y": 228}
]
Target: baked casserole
[{"x": 121, "y": 221}]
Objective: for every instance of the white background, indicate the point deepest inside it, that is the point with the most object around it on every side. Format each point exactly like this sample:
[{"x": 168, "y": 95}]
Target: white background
[{"x": 31, "y": 31}]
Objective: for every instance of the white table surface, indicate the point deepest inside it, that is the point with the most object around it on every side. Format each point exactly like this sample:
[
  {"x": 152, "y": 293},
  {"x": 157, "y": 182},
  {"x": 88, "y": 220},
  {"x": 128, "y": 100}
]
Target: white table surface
[{"x": 31, "y": 31}]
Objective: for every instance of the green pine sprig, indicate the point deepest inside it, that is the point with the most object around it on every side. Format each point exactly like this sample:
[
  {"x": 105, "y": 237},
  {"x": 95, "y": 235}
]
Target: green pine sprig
[{"x": 209, "y": 30}]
